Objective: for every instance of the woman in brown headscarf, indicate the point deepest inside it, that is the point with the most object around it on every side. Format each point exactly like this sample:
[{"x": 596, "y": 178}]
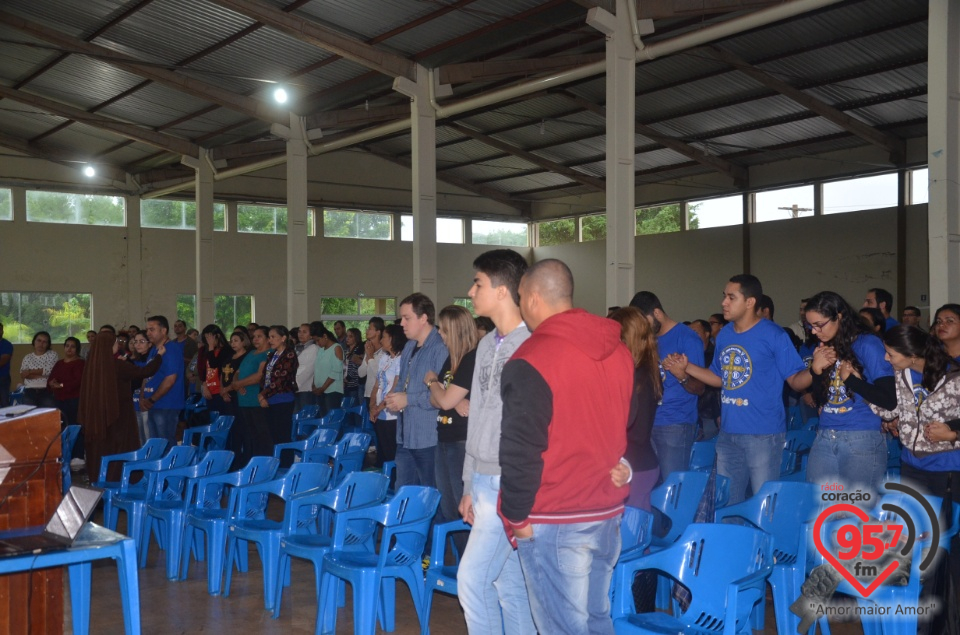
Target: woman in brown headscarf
[{"x": 106, "y": 403}]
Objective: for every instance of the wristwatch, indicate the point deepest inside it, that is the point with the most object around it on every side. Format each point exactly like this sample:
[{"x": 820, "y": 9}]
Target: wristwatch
[
  {"x": 430, "y": 383},
  {"x": 683, "y": 382}
]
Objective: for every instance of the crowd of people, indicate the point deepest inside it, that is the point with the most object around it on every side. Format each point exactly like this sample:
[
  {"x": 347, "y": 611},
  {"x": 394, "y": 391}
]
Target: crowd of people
[{"x": 536, "y": 420}]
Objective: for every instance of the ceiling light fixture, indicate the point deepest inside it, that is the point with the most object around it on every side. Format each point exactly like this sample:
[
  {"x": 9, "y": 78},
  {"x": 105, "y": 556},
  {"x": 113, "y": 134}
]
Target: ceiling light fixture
[
  {"x": 89, "y": 171},
  {"x": 280, "y": 95}
]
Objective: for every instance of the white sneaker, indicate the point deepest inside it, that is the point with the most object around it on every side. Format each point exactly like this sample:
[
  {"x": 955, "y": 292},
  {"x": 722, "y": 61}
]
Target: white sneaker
[{"x": 77, "y": 464}]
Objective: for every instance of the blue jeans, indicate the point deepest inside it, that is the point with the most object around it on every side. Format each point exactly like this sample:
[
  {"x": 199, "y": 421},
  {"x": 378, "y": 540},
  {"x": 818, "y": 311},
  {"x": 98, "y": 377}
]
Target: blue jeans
[
  {"x": 449, "y": 472},
  {"x": 162, "y": 423},
  {"x": 142, "y": 426},
  {"x": 672, "y": 445},
  {"x": 568, "y": 570},
  {"x": 489, "y": 578},
  {"x": 854, "y": 458},
  {"x": 416, "y": 467},
  {"x": 749, "y": 459}
]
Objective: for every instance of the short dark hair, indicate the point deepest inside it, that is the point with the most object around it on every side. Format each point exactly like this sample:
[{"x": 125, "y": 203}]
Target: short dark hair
[
  {"x": 646, "y": 301},
  {"x": 109, "y": 327},
  {"x": 503, "y": 267},
  {"x": 161, "y": 320},
  {"x": 703, "y": 324},
  {"x": 910, "y": 307},
  {"x": 719, "y": 318},
  {"x": 750, "y": 286},
  {"x": 75, "y": 341},
  {"x": 883, "y": 297},
  {"x": 377, "y": 323},
  {"x": 765, "y": 302},
  {"x": 181, "y": 322},
  {"x": 421, "y": 305},
  {"x": 317, "y": 328},
  {"x": 341, "y": 323},
  {"x": 38, "y": 334}
]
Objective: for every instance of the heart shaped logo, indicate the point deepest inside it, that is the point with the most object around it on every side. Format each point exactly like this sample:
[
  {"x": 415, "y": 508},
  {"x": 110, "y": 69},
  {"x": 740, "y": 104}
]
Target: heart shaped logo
[{"x": 865, "y": 571}]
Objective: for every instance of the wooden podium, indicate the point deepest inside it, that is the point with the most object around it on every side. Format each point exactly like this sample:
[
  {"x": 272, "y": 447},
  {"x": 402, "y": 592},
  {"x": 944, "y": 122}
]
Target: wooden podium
[{"x": 30, "y": 603}]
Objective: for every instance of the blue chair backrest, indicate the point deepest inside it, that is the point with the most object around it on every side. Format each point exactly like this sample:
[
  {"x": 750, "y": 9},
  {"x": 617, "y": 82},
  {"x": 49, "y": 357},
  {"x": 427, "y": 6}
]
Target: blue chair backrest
[
  {"x": 636, "y": 529},
  {"x": 780, "y": 508},
  {"x": 677, "y": 499},
  {"x": 357, "y": 490},
  {"x": 706, "y": 559},
  {"x": 171, "y": 484},
  {"x": 251, "y": 502},
  {"x": 68, "y": 438},
  {"x": 407, "y": 519},
  {"x": 307, "y": 412},
  {"x": 348, "y": 402},
  {"x": 332, "y": 420},
  {"x": 211, "y": 490},
  {"x": 152, "y": 449},
  {"x": 703, "y": 454},
  {"x": 178, "y": 456}
]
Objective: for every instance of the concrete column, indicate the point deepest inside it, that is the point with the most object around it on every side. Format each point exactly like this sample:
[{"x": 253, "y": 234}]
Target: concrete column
[
  {"x": 135, "y": 309},
  {"x": 621, "y": 57},
  {"x": 297, "y": 142},
  {"x": 423, "y": 144},
  {"x": 943, "y": 145},
  {"x": 204, "y": 236}
]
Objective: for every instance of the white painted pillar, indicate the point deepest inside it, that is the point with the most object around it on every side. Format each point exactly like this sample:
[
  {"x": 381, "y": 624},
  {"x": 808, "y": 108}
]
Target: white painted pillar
[
  {"x": 621, "y": 216},
  {"x": 943, "y": 146},
  {"x": 423, "y": 144},
  {"x": 296, "y": 136},
  {"x": 204, "y": 237}
]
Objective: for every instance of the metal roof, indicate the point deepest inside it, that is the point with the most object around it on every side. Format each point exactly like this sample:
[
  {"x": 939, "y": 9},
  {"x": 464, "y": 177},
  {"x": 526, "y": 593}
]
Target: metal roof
[{"x": 866, "y": 58}]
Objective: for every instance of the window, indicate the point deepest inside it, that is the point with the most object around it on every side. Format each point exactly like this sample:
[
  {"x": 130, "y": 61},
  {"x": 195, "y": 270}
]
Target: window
[
  {"x": 229, "y": 311},
  {"x": 168, "y": 214},
  {"x": 449, "y": 230},
  {"x": 791, "y": 202},
  {"x": 919, "y": 186},
  {"x": 718, "y": 212},
  {"x": 60, "y": 314},
  {"x": 593, "y": 227},
  {"x": 663, "y": 219},
  {"x": 556, "y": 232},
  {"x": 869, "y": 192},
  {"x": 356, "y": 311},
  {"x": 267, "y": 219},
  {"x": 466, "y": 303},
  {"x": 485, "y": 232},
  {"x": 76, "y": 209},
  {"x": 340, "y": 223},
  {"x": 6, "y": 205}
]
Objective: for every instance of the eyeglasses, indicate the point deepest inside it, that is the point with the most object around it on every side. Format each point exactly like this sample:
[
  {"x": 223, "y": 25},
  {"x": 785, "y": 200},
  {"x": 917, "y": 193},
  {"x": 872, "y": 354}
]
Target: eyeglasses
[
  {"x": 139, "y": 341},
  {"x": 818, "y": 326}
]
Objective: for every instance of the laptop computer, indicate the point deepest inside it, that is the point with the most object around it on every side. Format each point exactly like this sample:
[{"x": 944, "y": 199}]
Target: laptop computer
[{"x": 60, "y": 531}]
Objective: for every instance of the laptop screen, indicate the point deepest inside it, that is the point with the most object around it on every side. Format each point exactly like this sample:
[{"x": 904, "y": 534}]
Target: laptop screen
[{"x": 75, "y": 509}]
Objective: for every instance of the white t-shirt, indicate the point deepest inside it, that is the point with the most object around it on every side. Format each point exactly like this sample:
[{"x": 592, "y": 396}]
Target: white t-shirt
[
  {"x": 45, "y": 361},
  {"x": 386, "y": 376}
]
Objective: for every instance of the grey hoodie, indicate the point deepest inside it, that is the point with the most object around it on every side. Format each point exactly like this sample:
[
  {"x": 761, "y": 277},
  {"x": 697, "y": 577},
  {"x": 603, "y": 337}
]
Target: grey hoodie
[{"x": 486, "y": 405}]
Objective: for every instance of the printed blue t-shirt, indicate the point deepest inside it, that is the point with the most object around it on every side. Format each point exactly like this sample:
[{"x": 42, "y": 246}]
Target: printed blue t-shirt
[
  {"x": 677, "y": 405},
  {"x": 752, "y": 367},
  {"x": 6, "y": 348},
  {"x": 844, "y": 410}
]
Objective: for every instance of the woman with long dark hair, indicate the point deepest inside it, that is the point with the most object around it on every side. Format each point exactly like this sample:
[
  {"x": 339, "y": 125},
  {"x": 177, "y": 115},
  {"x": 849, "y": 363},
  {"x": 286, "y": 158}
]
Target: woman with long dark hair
[
  {"x": 279, "y": 384},
  {"x": 449, "y": 392},
  {"x": 328, "y": 372},
  {"x": 385, "y": 420},
  {"x": 946, "y": 328},
  {"x": 252, "y": 422},
  {"x": 636, "y": 333},
  {"x": 64, "y": 380},
  {"x": 849, "y": 447},
  {"x": 218, "y": 356},
  {"x": 353, "y": 359}
]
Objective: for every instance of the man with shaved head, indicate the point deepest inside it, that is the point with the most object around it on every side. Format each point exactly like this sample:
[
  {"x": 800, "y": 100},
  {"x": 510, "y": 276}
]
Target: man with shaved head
[{"x": 566, "y": 399}]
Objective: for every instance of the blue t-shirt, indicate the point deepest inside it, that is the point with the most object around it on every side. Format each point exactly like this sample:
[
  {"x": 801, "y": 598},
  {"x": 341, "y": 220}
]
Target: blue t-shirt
[
  {"x": 806, "y": 352},
  {"x": 677, "y": 405},
  {"x": 844, "y": 410},
  {"x": 6, "y": 348},
  {"x": 891, "y": 322},
  {"x": 753, "y": 366},
  {"x": 172, "y": 364}
]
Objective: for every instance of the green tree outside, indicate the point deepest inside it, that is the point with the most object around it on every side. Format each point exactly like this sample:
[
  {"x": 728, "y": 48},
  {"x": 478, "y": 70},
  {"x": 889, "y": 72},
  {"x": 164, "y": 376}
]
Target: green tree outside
[
  {"x": 6, "y": 205},
  {"x": 557, "y": 232},
  {"x": 77, "y": 209},
  {"x": 170, "y": 214},
  {"x": 60, "y": 314}
]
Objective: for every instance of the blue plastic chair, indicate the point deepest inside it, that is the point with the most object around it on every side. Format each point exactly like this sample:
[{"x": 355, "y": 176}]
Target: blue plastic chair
[
  {"x": 703, "y": 455},
  {"x": 441, "y": 576},
  {"x": 780, "y": 509},
  {"x": 405, "y": 520},
  {"x": 307, "y": 412},
  {"x": 16, "y": 397},
  {"x": 636, "y": 530},
  {"x": 344, "y": 456},
  {"x": 208, "y": 515},
  {"x": 724, "y": 566},
  {"x": 167, "y": 507},
  {"x": 209, "y": 437},
  {"x": 133, "y": 499},
  {"x": 152, "y": 449},
  {"x": 677, "y": 499},
  {"x": 319, "y": 438},
  {"x": 249, "y": 524},
  {"x": 357, "y": 490},
  {"x": 348, "y": 402},
  {"x": 812, "y": 424},
  {"x": 195, "y": 403},
  {"x": 305, "y": 427},
  {"x": 796, "y": 451},
  {"x": 68, "y": 439}
]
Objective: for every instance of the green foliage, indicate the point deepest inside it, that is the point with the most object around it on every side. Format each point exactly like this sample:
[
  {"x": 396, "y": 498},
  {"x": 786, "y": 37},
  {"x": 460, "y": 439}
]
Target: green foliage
[
  {"x": 168, "y": 214},
  {"x": 557, "y": 232},
  {"x": 261, "y": 219},
  {"x": 61, "y": 314},
  {"x": 78, "y": 209},
  {"x": 466, "y": 303},
  {"x": 6, "y": 205},
  {"x": 229, "y": 311},
  {"x": 664, "y": 219},
  {"x": 496, "y": 233},
  {"x": 338, "y": 223},
  {"x": 356, "y": 311},
  {"x": 594, "y": 227},
  {"x": 187, "y": 310}
]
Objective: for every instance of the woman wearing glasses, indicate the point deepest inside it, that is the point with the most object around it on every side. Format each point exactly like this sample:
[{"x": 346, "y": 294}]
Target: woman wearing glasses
[
  {"x": 946, "y": 327},
  {"x": 849, "y": 447}
]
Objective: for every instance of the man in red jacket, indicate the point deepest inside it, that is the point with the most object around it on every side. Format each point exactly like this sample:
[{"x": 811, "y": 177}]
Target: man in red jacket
[{"x": 566, "y": 399}]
